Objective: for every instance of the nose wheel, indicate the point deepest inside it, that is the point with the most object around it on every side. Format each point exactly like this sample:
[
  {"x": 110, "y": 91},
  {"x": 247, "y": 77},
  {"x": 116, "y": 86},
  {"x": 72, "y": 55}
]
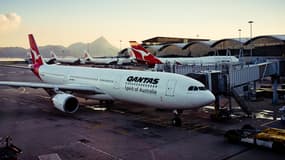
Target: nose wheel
[{"x": 176, "y": 121}]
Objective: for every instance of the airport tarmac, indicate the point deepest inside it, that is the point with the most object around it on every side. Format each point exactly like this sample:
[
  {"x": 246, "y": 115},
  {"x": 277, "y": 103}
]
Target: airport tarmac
[{"x": 122, "y": 131}]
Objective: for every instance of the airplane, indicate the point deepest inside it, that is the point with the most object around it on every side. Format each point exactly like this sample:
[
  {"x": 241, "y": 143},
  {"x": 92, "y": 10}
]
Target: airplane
[
  {"x": 50, "y": 60},
  {"x": 87, "y": 58},
  {"x": 155, "y": 89},
  {"x": 144, "y": 56},
  {"x": 99, "y": 60},
  {"x": 65, "y": 60}
]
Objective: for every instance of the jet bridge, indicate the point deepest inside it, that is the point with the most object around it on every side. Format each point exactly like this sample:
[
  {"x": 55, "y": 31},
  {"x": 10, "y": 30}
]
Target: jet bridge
[{"x": 229, "y": 77}]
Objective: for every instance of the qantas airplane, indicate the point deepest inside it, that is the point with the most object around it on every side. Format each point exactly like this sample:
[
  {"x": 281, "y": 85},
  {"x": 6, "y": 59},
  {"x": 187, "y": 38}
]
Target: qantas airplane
[
  {"x": 106, "y": 60},
  {"x": 65, "y": 60},
  {"x": 99, "y": 60},
  {"x": 51, "y": 60},
  {"x": 142, "y": 55},
  {"x": 154, "y": 89}
]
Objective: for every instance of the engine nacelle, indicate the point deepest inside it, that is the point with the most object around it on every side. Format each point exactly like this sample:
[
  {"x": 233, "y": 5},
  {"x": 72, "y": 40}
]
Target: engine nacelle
[{"x": 65, "y": 102}]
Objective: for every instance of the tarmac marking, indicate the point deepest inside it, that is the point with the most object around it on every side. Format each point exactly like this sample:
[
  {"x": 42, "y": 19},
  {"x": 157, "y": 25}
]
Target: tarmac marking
[
  {"x": 267, "y": 123},
  {"x": 117, "y": 111},
  {"x": 198, "y": 128},
  {"x": 45, "y": 97},
  {"x": 152, "y": 155},
  {"x": 99, "y": 150},
  {"x": 238, "y": 153},
  {"x": 53, "y": 156}
]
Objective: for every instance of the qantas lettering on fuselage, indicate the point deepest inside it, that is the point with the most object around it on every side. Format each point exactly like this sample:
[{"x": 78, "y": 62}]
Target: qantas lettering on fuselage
[
  {"x": 144, "y": 85},
  {"x": 144, "y": 80}
]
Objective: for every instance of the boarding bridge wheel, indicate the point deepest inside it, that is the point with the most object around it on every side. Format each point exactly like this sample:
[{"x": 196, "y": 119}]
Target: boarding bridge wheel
[{"x": 176, "y": 122}]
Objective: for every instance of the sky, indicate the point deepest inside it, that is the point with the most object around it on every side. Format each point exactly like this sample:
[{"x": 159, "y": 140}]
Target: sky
[{"x": 63, "y": 22}]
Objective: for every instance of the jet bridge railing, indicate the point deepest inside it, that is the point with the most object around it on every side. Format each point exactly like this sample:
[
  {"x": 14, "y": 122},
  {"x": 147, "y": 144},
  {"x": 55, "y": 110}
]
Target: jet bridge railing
[
  {"x": 186, "y": 69},
  {"x": 243, "y": 75},
  {"x": 238, "y": 74}
]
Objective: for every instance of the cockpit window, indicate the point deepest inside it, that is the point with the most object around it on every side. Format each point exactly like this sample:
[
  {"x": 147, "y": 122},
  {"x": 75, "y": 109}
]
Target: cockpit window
[{"x": 195, "y": 88}]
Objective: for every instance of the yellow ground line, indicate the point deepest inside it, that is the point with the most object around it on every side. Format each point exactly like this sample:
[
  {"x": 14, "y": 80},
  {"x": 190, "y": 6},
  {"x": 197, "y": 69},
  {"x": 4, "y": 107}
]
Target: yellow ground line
[{"x": 202, "y": 127}]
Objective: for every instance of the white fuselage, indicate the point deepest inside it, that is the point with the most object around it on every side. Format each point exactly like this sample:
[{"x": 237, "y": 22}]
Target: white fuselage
[
  {"x": 156, "y": 89},
  {"x": 125, "y": 60},
  {"x": 68, "y": 60},
  {"x": 200, "y": 60},
  {"x": 101, "y": 60}
]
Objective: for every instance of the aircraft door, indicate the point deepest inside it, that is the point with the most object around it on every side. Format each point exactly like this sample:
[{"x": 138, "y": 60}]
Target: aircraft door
[
  {"x": 116, "y": 84},
  {"x": 170, "y": 87}
]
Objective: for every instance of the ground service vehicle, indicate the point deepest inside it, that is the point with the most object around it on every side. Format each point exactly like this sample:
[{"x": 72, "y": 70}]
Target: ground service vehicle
[{"x": 270, "y": 137}]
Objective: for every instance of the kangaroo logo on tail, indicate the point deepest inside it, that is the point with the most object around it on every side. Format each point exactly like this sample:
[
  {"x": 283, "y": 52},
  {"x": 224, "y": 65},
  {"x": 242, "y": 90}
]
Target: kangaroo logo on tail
[{"x": 141, "y": 54}]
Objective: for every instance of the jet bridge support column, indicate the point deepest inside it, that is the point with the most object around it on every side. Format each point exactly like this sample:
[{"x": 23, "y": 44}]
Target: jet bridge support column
[{"x": 274, "y": 79}]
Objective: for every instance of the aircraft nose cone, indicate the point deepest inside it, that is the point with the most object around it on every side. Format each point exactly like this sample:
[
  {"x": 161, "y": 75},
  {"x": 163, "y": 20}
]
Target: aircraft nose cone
[{"x": 210, "y": 98}]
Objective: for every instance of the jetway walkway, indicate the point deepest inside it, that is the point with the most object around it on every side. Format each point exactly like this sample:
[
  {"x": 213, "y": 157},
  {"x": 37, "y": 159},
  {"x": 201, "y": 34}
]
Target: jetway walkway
[
  {"x": 228, "y": 77},
  {"x": 236, "y": 74}
]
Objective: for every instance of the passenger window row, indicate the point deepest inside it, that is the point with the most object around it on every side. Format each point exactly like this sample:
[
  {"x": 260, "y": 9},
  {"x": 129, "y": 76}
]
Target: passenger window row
[{"x": 142, "y": 85}]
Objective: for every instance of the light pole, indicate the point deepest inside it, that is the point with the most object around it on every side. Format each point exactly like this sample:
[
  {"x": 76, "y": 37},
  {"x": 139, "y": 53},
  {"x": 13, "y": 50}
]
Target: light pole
[
  {"x": 250, "y": 23},
  {"x": 120, "y": 44},
  {"x": 239, "y": 36},
  {"x": 253, "y": 83}
]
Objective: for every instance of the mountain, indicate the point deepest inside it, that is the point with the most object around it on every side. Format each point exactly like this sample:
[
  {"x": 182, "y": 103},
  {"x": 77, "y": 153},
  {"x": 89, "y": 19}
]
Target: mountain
[
  {"x": 60, "y": 51},
  {"x": 99, "y": 47},
  {"x": 13, "y": 52}
]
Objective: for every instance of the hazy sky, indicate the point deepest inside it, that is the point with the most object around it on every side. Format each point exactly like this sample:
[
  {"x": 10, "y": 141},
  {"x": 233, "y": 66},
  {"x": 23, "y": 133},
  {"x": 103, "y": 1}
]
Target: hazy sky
[{"x": 67, "y": 21}]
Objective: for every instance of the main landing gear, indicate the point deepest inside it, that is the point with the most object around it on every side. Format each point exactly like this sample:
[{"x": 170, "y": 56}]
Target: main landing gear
[
  {"x": 106, "y": 102},
  {"x": 176, "y": 121}
]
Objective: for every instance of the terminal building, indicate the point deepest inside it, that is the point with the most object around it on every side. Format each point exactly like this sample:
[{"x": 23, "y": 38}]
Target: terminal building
[{"x": 266, "y": 45}]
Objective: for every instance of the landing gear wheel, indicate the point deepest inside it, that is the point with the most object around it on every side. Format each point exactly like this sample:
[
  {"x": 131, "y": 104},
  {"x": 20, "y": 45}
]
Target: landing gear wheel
[
  {"x": 109, "y": 102},
  {"x": 176, "y": 122},
  {"x": 106, "y": 102}
]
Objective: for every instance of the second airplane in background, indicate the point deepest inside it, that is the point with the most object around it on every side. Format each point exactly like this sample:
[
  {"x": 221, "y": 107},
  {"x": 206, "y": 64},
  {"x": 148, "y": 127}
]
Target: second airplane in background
[
  {"x": 65, "y": 60},
  {"x": 142, "y": 55},
  {"x": 87, "y": 58}
]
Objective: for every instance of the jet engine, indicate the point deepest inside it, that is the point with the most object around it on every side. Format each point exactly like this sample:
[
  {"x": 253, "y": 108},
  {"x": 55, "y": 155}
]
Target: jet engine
[{"x": 65, "y": 102}]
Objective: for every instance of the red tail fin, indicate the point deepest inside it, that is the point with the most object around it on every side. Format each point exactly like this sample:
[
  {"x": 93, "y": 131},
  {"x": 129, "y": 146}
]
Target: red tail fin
[
  {"x": 141, "y": 54},
  {"x": 36, "y": 57}
]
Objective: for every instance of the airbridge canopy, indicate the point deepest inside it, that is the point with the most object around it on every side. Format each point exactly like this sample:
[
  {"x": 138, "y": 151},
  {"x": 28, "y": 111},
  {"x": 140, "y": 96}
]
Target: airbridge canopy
[
  {"x": 266, "y": 40},
  {"x": 229, "y": 43},
  {"x": 265, "y": 45}
]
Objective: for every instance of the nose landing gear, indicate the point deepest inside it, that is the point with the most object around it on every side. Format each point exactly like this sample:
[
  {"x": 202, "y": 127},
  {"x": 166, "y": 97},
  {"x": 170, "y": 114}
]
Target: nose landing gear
[{"x": 176, "y": 121}]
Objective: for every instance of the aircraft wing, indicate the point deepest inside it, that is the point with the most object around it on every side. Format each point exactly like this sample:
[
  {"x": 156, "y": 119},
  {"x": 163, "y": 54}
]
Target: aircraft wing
[
  {"x": 15, "y": 66},
  {"x": 55, "y": 87}
]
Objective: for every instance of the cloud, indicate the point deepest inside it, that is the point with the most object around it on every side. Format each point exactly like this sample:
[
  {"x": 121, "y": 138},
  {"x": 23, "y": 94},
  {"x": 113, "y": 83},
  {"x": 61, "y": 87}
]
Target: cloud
[{"x": 9, "y": 21}]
